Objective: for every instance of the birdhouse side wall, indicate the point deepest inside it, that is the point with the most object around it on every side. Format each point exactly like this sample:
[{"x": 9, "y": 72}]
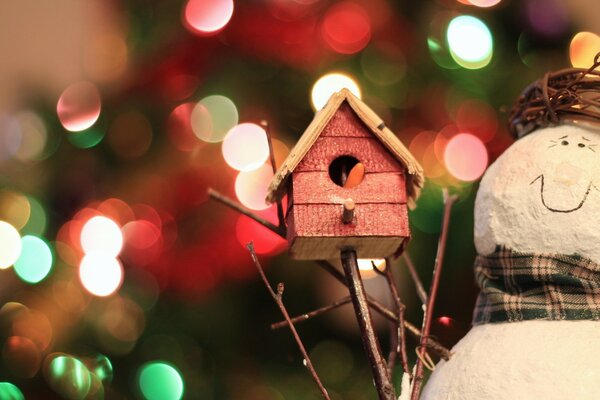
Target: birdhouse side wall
[{"x": 380, "y": 224}]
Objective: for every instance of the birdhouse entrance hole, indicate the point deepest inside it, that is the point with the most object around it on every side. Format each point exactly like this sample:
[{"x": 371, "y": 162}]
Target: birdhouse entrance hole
[{"x": 346, "y": 171}]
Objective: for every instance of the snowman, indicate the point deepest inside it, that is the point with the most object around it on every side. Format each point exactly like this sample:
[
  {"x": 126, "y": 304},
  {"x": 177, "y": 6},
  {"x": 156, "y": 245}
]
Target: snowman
[{"x": 536, "y": 325}]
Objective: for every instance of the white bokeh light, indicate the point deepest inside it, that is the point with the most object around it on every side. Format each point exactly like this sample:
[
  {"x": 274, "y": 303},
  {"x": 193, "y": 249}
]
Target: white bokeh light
[
  {"x": 245, "y": 147},
  {"x": 101, "y": 235},
  {"x": 101, "y": 275},
  {"x": 330, "y": 84},
  {"x": 10, "y": 245}
]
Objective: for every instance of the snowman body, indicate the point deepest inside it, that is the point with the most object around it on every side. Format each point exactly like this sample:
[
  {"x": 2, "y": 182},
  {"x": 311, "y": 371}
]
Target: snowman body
[{"x": 536, "y": 333}]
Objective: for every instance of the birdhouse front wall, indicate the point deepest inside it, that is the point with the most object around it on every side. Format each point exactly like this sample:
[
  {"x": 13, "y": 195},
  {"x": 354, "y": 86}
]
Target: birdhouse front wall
[{"x": 314, "y": 218}]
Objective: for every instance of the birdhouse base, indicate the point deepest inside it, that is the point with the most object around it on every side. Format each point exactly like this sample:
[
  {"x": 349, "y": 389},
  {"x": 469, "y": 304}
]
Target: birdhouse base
[{"x": 325, "y": 248}]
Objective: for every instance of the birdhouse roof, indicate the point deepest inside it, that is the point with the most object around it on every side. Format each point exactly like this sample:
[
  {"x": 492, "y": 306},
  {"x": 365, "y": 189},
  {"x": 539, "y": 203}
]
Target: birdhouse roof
[{"x": 414, "y": 178}]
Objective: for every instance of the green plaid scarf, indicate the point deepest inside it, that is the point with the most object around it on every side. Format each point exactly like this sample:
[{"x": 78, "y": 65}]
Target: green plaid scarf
[{"x": 519, "y": 286}]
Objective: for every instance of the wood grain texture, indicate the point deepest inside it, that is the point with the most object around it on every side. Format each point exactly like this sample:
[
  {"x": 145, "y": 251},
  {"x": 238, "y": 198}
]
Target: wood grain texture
[
  {"x": 345, "y": 122},
  {"x": 325, "y": 220},
  {"x": 312, "y": 248},
  {"x": 318, "y": 188},
  {"x": 369, "y": 151}
]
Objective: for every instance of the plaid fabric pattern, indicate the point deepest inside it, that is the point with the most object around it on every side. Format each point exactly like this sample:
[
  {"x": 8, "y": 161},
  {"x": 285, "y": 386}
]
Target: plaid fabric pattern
[{"x": 517, "y": 286}]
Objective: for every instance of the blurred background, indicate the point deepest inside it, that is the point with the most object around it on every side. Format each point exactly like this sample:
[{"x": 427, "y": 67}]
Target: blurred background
[{"x": 120, "y": 278}]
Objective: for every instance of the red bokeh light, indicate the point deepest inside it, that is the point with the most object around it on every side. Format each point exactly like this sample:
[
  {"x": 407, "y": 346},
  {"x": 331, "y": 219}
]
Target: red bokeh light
[{"x": 346, "y": 28}]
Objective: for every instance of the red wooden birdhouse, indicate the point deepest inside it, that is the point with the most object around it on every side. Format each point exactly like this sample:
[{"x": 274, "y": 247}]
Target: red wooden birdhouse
[{"x": 349, "y": 181}]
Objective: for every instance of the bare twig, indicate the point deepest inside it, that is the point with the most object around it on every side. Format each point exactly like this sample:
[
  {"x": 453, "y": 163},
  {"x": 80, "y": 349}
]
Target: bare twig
[
  {"x": 400, "y": 308},
  {"x": 277, "y": 297},
  {"x": 267, "y": 129},
  {"x": 383, "y": 384},
  {"x": 437, "y": 271},
  {"x": 374, "y": 304},
  {"x": 314, "y": 313},
  {"x": 415, "y": 277},
  {"x": 387, "y": 313},
  {"x": 243, "y": 210}
]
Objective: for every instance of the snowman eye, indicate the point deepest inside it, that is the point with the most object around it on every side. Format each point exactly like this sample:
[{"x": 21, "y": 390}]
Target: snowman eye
[
  {"x": 581, "y": 145},
  {"x": 564, "y": 143}
]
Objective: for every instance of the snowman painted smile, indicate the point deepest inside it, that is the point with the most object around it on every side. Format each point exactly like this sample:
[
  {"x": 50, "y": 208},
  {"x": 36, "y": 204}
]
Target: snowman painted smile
[{"x": 585, "y": 196}]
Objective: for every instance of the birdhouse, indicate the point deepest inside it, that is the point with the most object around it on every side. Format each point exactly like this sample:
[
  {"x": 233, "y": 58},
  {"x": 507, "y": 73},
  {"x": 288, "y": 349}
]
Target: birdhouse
[{"x": 349, "y": 182}]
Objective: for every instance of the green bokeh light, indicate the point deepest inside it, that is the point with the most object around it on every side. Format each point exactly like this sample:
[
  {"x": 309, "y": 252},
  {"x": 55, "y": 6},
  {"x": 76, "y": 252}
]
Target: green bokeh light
[
  {"x": 87, "y": 138},
  {"x": 470, "y": 42},
  {"x": 8, "y": 391},
  {"x": 35, "y": 261},
  {"x": 36, "y": 224},
  {"x": 102, "y": 368},
  {"x": 69, "y": 377},
  {"x": 160, "y": 381}
]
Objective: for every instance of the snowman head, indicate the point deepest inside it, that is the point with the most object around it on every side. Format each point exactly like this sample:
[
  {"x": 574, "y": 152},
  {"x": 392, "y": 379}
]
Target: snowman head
[{"x": 543, "y": 195}]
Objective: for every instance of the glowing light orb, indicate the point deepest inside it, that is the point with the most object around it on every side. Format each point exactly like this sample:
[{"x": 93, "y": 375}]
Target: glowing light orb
[
  {"x": 35, "y": 261},
  {"x": 33, "y": 136},
  {"x": 101, "y": 235},
  {"x": 10, "y": 245},
  {"x": 245, "y": 147},
  {"x": 68, "y": 377},
  {"x": 346, "y": 28},
  {"x": 470, "y": 41},
  {"x": 9, "y": 391},
  {"x": 484, "y": 3},
  {"x": 251, "y": 187},
  {"x": 466, "y": 157},
  {"x": 584, "y": 46},
  {"x": 101, "y": 275},
  {"x": 207, "y": 16},
  {"x": 213, "y": 117},
  {"x": 78, "y": 107},
  {"x": 328, "y": 85},
  {"x": 160, "y": 381},
  {"x": 365, "y": 266},
  {"x": 179, "y": 127}
]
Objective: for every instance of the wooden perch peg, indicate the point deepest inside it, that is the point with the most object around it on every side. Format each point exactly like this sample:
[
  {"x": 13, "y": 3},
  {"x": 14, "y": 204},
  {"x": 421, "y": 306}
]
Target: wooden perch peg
[{"x": 348, "y": 213}]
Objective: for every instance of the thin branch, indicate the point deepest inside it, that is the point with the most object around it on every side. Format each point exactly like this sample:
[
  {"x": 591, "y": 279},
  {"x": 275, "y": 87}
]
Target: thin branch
[
  {"x": 277, "y": 297},
  {"x": 267, "y": 129},
  {"x": 381, "y": 377},
  {"x": 374, "y": 304},
  {"x": 312, "y": 314},
  {"x": 387, "y": 313},
  {"x": 400, "y": 308},
  {"x": 221, "y": 198},
  {"x": 437, "y": 272},
  {"x": 415, "y": 277}
]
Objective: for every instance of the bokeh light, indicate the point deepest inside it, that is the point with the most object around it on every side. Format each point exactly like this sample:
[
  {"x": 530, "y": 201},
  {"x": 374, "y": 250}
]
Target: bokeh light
[
  {"x": 35, "y": 261},
  {"x": 10, "y": 245},
  {"x": 470, "y": 41},
  {"x": 160, "y": 381},
  {"x": 78, "y": 107},
  {"x": 329, "y": 84},
  {"x": 207, "y": 16},
  {"x": 8, "y": 391},
  {"x": 21, "y": 357},
  {"x": 101, "y": 235},
  {"x": 102, "y": 368},
  {"x": 213, "y": 117},
  {"x": 365, "y": 266},
  {"x": 11, "y": 138},
  {"x": 36, "y": 224},
  {"x": 251, "y": 187},
  {"x": 483, "y": 3},
  {"x": 245, "y": 147},
  {"x": 346, "y": 27},
  {"x": 87, "y": 138},
  {"x": 265, "y": 241},
  {"x": 14, "y": 208},
  {"x": 68, "y": 377},
  {"x": 584, "y": 47},
  {"x": 33, "y": 136},
  {"x": 466, "y": 157},
  {"x": 101, "y": 275},
  {"x": 179, "y": 127}
]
